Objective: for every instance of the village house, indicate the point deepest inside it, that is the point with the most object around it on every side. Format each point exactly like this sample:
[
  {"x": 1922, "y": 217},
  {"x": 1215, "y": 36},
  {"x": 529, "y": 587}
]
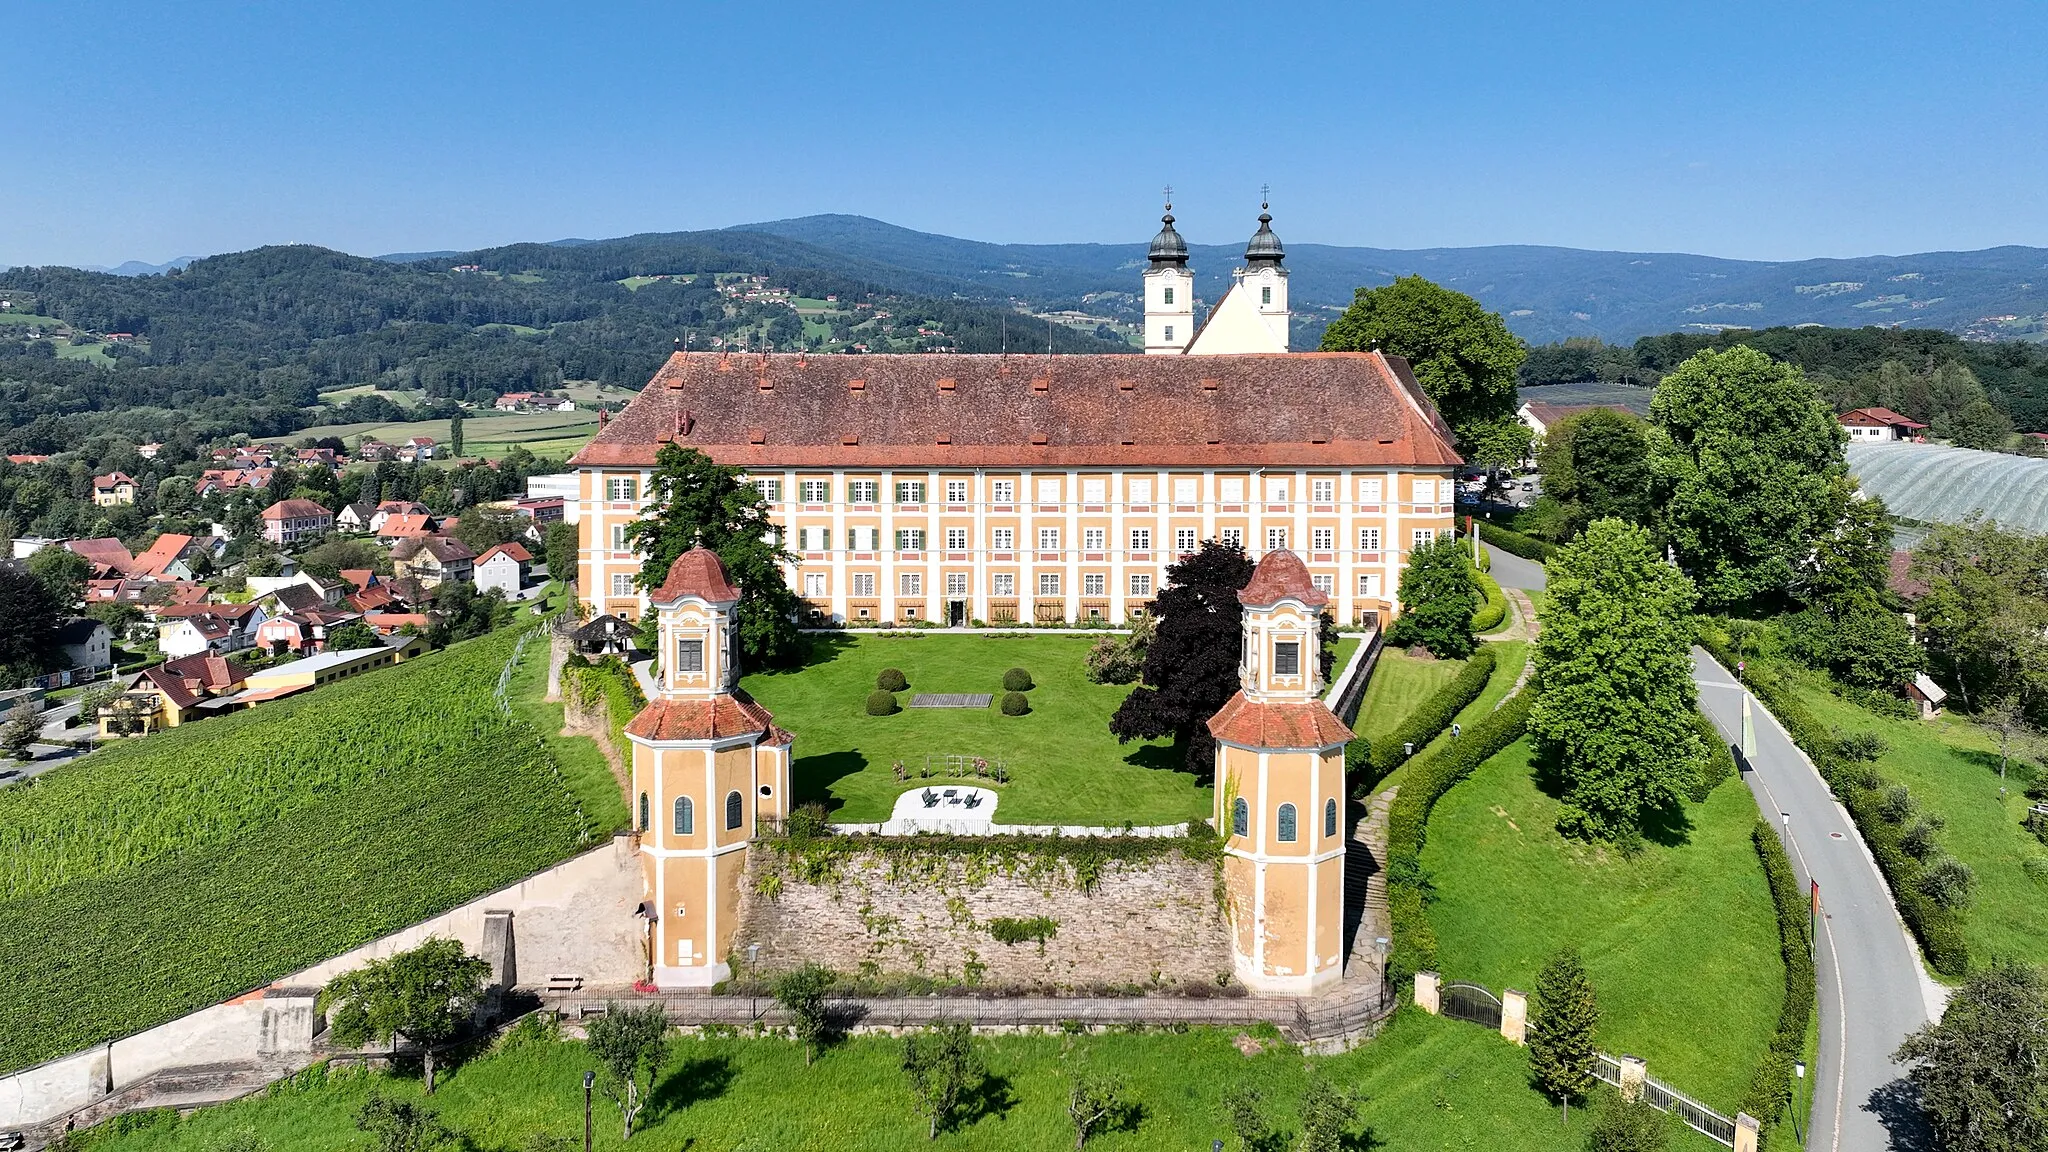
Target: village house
[
  {"x": 432, "y": 560},
  {"x": 954, "y": 488},
  {"x": 374, "y": 451},
  {"x": 329, "y": 591},
  {"x": 354, "y": 518},
  {"x": 109, "y": 557},
  {"x": 388, "y": 508},
  {"x": 417, "y": 448},
  {"x": 503, "y": 567},
  {"x": 177, "y": 692},
  {"x": 395, "y": 623},
  {"x": 195, "y": 629},
  {"x": 401, "y": 527},
  {"x": 290, "y": 521},
  {"x": 85, "y": 645},
  {"x": 542, "y": 512},
  {"x": 229, "y": 479},
  {"x": 114, "y": 489},
  {"x": 1880, "y": 424},
  {"x": 177, "y": 556},
  {"x": 302, "y": 630}
]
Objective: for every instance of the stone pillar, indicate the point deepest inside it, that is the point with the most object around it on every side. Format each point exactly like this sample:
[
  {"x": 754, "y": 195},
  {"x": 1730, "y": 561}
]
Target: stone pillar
[
  {"x": 1426, "y": 984},
  {"x": 1746, "y": 1132},
  {"x": 1633, "y": 1072},
  {"x": 1514, "y": 1016}
]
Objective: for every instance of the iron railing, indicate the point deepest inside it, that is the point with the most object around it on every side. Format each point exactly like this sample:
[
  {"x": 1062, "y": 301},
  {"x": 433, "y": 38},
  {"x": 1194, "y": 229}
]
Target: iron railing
[{"x": 1471, "y": 1002}]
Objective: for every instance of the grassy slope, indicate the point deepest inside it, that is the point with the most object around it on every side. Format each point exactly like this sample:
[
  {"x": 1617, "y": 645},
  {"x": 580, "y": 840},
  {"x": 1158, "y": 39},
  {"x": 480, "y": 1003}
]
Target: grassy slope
[
  {"x": 1065, "y": 767},
  {"x": 1952, "y": 768},
  {"x": 1399, "y": 683},
  {"x": 1680, "y": 941},
  {"x": 482, "y": 433},
  {"x": 1429, "y": 1083},
  {"x": 584, "y": 768},
  {"x": 1510, "y": 655}
]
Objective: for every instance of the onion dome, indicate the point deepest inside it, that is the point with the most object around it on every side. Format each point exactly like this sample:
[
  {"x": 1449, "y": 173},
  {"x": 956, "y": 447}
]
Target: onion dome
[
  {"x": 1168, "y": 249},
  {"x": 1264, "y": 250}
]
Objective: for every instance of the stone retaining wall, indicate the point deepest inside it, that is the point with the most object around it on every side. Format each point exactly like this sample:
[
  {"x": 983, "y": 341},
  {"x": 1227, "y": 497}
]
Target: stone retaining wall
[{"x": 1152, "y": 922}]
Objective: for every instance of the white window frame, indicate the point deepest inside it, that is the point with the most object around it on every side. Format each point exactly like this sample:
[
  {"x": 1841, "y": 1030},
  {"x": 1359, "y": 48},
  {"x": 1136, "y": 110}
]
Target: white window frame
[
  {"x": 1140, "y": 489},
  {"x": 1186, "y": 490},
  {"x": 1369, "y": 490},
  {"x": 1322, "y": 539},
  {"x": 909, "y": 584},
  {"x": 816, "y": 584},
  {"x": 1048, "y": 490},
  {"x": 622, "y": 583},
  {"x": 864, "y": 585},
  {"x": 1003, "y": 584},
  {"x": 1368, "y": 540},
  {"x": 1276, "y": 538},
  {"x": 1094, "y": 539},
  {"x": 956, "y": 491},
  {"x": 815, "y": 491},
  {"x": 910, "y": 539},
  {"x": 1094, "y": 584},
  {"x": 1003, "y": 491},
  {"x": 620, "y": 488},
  {"x": 1141, "y": 584},
  {"x": 1048, "y": 583},
  {"x": 956, "y": 584},
  {"x": 1231, "y": 536},
  {"x": 1048, "y": 539},
  {"x": 956, "y": 539},
  {"x": 1232, "y": 488},
  {"x": 1003, "y": 539},
  {"x": 1322, "y": 491},
  {"x": 1186, "y": 541},
  {"x": 862, "y": 491},
  {"x": 1141, "y": 539},
  {"x": 1422, "y": 536}
]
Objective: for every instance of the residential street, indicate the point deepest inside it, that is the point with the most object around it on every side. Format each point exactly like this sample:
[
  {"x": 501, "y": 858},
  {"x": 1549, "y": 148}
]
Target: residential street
[{"x": 1872, "y": 988}]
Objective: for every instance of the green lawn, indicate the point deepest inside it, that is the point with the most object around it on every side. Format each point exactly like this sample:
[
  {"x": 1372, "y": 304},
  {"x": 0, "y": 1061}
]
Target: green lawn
[
  {"x": 1951, "y": 766},
  {"x": 587, "y": 773},
  {"x": 1428, "y": 1084},
  {"x": 1681, "y": 940},
  {"x": 97, "y": 353},
  {"x": 1065, "y": 766},
  {"x": 483, "y": 433},
  {"x": 1509, "y": 657},
  {"x": 1399, "y": 683}
]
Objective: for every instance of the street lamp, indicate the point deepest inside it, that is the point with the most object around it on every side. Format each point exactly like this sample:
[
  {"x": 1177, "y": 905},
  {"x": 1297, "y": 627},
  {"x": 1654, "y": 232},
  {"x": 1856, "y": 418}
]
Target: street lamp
[
  {"x": 589, "y": 1079},
  {"x": 1799, "y": 1071}
]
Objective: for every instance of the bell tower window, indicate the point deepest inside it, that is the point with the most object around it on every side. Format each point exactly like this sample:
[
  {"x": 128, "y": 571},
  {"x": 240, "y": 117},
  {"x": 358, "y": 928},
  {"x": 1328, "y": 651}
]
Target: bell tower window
[
  {"x": 1169, "y": 331},
  {"x": 1266, "y": 294},
  {"x": 1287, "y": 658},
  {"x": 1169, "y": 297},
  {"x": 689, "y": 655}
]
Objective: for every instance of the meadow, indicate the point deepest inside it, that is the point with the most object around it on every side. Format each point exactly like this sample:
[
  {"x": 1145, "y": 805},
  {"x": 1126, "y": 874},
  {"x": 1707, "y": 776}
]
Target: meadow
[
  {"x": 1426, "y": 1083},
  {"x": 557, "y": 434},
  {"x": 168, "y": 872}
]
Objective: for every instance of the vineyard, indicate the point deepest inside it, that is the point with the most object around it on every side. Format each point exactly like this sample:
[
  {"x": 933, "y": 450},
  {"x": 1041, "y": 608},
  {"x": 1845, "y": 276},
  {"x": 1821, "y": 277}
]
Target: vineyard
[{"x": 159, "y": 876}]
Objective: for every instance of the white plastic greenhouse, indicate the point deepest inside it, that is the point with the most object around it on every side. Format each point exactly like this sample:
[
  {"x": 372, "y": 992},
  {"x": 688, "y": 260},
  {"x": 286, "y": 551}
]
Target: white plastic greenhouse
[{"x": 1943, "y": 485}]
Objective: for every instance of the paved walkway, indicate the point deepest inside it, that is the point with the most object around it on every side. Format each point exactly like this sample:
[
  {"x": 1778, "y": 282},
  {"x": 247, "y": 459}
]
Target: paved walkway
[{"x": 1873, "y": 990}]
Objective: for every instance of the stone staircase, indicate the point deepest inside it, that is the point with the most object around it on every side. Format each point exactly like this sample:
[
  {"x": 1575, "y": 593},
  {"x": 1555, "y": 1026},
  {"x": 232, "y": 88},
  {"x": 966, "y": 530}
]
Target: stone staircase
[{"x": 1365, "y": 871}]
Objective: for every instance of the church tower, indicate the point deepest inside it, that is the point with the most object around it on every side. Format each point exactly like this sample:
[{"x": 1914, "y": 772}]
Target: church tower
[
  {"x": 1264, "y": 279},
  {"x": 1280, "y": 790},
  {"x": 1169, "y": 292},
  {"x": 709, "y": 766}
]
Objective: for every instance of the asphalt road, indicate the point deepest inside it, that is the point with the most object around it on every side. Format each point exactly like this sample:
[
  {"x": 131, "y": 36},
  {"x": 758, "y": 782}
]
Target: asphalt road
[{"x": 1873, "y": 991}]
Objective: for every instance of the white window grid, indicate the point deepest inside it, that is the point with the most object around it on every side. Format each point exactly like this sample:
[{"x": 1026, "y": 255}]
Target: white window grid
[
  {"x": 1048, "y": 583},
  {"x": 1093, "y": 584},
  {"x": 1141, "y": 539}
]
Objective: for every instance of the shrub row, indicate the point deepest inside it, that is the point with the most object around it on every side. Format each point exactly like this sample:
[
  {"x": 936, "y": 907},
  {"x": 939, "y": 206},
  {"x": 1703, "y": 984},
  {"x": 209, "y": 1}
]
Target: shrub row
[
  {"x": 1494, "y": 610},
  {"x": 1720, "y": 762},
  {"x": 1770, "y": 1089},
  {"x": 1510, "y": 541},
  {"x": 1376, "y": 758},
  {"x": 1861, "y": 789},
  {"x": 1408, "y": 889}
]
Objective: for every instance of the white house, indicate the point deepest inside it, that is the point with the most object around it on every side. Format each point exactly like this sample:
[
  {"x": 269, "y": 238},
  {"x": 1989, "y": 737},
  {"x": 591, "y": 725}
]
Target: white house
[
  {"x": 503, "y": 567},
  {"x": 86, "y": 644},
  {"x": 191, "y": 629}
]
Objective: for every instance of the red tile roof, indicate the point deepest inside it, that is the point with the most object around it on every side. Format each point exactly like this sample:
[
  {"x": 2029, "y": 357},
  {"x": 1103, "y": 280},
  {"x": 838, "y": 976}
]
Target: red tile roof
[
  {"x": 700, "y": 573},
  {"x": 386, "y": 623},
  {"x": 515, "y": 551},
  {"x": 105, "y": 552},
  {"x": 163, "y": 551},
  {"x": 441, "y": 548},
  {"x": 1899, "y": 577},
  {"x": 1308, "y": 408},
  {"x": 718, "y": 718},
  {"x": 1281, "y": 576},
  {"x": 1254, "y": 725},
  {"x": 360, "y": 577},
  {"x": 296, "y": 509},
  {"x": 1886, "y": 416},
  {"x": 112, "y": 479},
  {"x": 405, "y": 525}
]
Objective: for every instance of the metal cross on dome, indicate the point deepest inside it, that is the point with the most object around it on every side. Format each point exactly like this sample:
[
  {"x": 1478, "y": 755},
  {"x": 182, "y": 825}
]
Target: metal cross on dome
[
  {"x": 1265, "y": 194},
  {"x": 1169, "y": 197}
]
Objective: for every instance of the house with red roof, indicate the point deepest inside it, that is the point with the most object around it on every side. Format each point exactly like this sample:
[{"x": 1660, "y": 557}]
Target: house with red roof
[
  {"x": 290, "y": 521},
  {"x": 177, "y": 556},
  {"x": 177, "y": 692},
  {"x": 1866, "y": 425},
  {"x": 114, "y": 489},
  {"x": 503, "y": 567},
  {"x": 109, "y": 557},
  {"x": 431, "y": 560}
]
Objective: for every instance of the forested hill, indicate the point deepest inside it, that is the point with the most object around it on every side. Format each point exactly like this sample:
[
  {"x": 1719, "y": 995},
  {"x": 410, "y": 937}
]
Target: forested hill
[
  {"x": 1546, "y": 294},
  {"x": 246, "y": 342}
]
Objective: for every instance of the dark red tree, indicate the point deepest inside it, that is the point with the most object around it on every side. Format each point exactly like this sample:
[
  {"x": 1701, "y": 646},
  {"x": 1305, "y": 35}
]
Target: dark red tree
[{"x": 1191, "y": 667}]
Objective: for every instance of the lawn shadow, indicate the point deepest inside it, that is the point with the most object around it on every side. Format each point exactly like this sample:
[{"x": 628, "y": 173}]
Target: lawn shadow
[
  {"x": 812, "y": 777},
  {"x": 2018, "y": 772},
  {"x": 1169, "y": 758},
  {"x": 819, "y": 648},
  {"x": 990, "y": 1096},
  {"x": 1366, "y": 1141},
  {"x": 1667, "y": 826},
  {"x": 696, "y": 1081}
]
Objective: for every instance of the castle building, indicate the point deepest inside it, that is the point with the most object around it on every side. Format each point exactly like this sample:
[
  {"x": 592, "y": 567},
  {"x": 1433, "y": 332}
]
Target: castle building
[
  {"x": 959, "y": 488},
  {"x": 709, "y": 766},
  {"x": 1280, "y": 790}
]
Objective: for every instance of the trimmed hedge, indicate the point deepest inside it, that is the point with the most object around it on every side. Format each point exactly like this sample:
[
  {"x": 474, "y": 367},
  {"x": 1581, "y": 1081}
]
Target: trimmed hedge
[
  {"x": 1414, "y": 948},
  {"x": 1016, "y": 704},
  {"x": 1494, "y": 610},
  {"x": 1861, "y": 789},
  {"x": 1017, "y": 680},
  {"x": 1378, "y": 757},
  {"x": 882, "y": 703},
  {"x": 891, "y": 680},
  {"x": 1770, "y": 1089},
  {"x": 1513, "y": 542}
]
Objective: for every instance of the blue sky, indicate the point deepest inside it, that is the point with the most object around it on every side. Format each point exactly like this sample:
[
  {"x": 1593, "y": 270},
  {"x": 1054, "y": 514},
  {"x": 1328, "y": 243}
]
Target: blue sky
[{"x": 1765, "y": 130}]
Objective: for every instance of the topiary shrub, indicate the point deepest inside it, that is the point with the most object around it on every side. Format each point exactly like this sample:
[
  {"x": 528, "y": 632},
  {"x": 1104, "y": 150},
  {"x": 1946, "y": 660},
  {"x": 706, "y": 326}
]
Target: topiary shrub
[
  {"x": 1014, "y": 703},
  {"x": 882, "y": 703},
  {"x": 1017, "y": 680},
  {"x": 892, "y": 680}
]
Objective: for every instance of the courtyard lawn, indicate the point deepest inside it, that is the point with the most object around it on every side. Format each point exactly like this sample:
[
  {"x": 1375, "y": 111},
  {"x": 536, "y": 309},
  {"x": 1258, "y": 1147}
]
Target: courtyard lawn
[
  {"x": 1428, "y": 1083},
  {"x": 1681, "y": 940},
  {"x": 1065, "y": 767},
  {"x": 1951, "y": 765}
]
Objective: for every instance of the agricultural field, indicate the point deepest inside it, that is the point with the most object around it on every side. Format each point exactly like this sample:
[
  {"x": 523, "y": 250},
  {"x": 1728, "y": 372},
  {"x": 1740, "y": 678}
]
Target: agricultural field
[
  {"x": 1680, "y": 939},
  {"x": 1065, "y": 766},
  {"x": 1427, "y": 1083},
  {"x": 592, "y": 392},
  {"x": 96, "y": 353},
  {"x": 12, "y": 318},
  {"x": 556, "y": 434},
  {"x": 165, "y": 873},
  {"x": 1951, "y": 766},
  {"x": 402, "y": 396}
]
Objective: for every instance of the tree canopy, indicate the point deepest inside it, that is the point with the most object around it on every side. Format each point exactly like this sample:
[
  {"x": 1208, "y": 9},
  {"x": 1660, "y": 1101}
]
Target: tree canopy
[
  {"x": 1616, "y": 710},
  {"x": 1595, "y": 464},
  {"x": 1191, "y": 665},
  {"x": 1748, "y": 466},
  {"x": 423, "y": 994},
  {"x": 1438, "y": 598},
  {"x": 1982, "y": 1069},
  {"x": 1463, "y": 356}
]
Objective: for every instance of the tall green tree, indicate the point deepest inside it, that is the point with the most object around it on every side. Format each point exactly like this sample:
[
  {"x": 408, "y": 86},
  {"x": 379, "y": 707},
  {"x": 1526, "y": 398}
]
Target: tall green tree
[
  {"x": 455, "y": 434},
  {"x": 560, "y": 551},
  {"x": 1563, "y": 1022},
  {"x": 695, "y": 501},
  {"x": 1985, "y": 613},
  {"x": 29, "y": 618},
  {"x": 1982, "y": 1070},
  {"x": 1616, "y": 709},
  {"x": 424, "y": 995},
  {"x": 1464, "y": 357},
  {"x": 630, "y": 1045},
  {"x": 63, "y": 572},
  {"x": 1596, "y": 464},
  {"x": 1438, "y": 598},
  {"x": 1191, "y": 665},
  {"x": 1747, "y": 462},
  {"x": 940, "y": 1060}
]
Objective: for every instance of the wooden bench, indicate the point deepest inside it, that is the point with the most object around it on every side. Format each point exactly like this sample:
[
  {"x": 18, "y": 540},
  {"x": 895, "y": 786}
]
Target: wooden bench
[{"x": 560, "y": 983}]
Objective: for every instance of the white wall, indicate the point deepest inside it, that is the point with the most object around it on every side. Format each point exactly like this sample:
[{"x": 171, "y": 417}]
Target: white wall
[{"x": 53, "y": 1089}]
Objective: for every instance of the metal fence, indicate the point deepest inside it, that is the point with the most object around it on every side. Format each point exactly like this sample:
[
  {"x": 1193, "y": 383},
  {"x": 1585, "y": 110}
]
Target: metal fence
[
  {"x": 1471, "y": 1002},
  {"x": 1664, "y": 1098}
]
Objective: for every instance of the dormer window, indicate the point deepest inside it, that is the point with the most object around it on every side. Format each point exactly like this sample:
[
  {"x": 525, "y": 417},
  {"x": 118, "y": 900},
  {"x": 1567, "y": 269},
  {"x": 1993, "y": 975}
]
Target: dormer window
[
  {"x": 1287, "y": 658},
  {"x": 689, "y": 655}
]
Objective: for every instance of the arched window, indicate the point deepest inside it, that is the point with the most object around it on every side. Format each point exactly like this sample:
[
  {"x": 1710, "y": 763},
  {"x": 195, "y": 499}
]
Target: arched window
[
  {"x": 686, "y": 816},
  {"x": 645, "y": 823},
  {"x": 1330, "y": 817},
  {"x": 1240, "y": 818},
  {"x": 733, "y": 810},
  {"x": 1287, "y": 823}
]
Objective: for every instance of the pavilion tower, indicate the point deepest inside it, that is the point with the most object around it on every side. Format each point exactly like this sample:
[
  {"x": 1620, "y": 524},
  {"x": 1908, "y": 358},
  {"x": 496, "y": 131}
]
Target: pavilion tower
[
  {"x": 708, "y": 766},
  {"x": 1169, "y": 290},
  {"x": 1280, "y": 790}
]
